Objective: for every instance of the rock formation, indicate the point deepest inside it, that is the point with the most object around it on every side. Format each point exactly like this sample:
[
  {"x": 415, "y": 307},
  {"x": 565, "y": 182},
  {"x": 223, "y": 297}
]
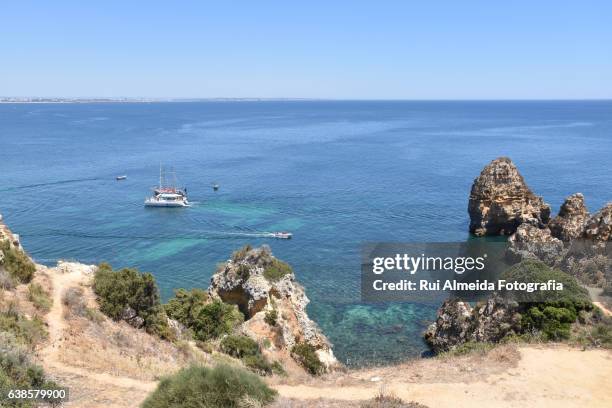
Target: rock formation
[
  {"x": 457, "y": 323},
  {"x": 599, "y": 226},
  {"x": 500, "y": 201},
  {"x": 570, "y": 222},
  {"x": 244, "y": 281},
  {"x": 530, "y": 242}
]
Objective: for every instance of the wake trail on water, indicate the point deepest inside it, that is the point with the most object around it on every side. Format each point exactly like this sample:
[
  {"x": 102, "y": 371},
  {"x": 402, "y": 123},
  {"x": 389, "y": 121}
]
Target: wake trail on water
[
  {"x": 203, "y": 235},
  {"x": 51, "y": 183}
]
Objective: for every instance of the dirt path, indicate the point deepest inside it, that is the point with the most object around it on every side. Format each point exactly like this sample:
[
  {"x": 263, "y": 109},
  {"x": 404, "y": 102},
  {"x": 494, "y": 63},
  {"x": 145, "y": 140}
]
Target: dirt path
[
  {"x": 544, "y": 377},
  {"x": 603, "y": 308},
  {"x": 109, "y": 389}
]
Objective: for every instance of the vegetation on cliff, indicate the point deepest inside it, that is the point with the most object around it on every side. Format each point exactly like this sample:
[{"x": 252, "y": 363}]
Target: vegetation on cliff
[
  {"x": 306, "y": 355},
  {"x": 16, "y": 262},
  {"x": 550, "y": 315},
  {"x": 557, "y": 315},
  {"x": 206, "y": 319},
  {"x": 204, "y": 387},
  {"x": 131, "y": 296},
  {"x": 17, "y": 372},
  {"x": 247, "y": 350}
]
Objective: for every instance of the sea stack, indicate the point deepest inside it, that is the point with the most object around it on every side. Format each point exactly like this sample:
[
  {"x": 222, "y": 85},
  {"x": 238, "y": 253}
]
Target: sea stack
[
  {"x": 500, "y": 201},
  {"x": 570, "y": 222}
]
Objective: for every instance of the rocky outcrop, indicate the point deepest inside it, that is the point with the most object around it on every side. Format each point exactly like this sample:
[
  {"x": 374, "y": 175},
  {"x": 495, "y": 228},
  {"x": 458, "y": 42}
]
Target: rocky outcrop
[
  {"x": 457, "y": 323},
  {"x": 244, "y": 281},
  {"x": 569, "y": 224},
  {"x": 530, "y": 242},
  {"x": 599, "y": 226},
  {"x": 500, "y": 201}
]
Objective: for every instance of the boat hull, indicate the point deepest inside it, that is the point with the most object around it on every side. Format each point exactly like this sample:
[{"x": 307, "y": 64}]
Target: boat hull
[{"x": 165, "y": 204}]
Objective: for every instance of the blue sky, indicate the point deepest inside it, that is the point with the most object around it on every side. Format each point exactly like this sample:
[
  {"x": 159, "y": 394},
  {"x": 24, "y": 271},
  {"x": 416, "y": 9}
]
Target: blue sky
[{"x": 313, "y": 49}]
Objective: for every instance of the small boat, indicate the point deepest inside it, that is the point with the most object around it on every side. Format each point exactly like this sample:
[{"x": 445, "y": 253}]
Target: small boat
[
  {"x": 119, "y": 178},
  {"x": 167, "y": 196},
  {"x": 282, "y": 235},
  {"x": 215, "y": 186}
]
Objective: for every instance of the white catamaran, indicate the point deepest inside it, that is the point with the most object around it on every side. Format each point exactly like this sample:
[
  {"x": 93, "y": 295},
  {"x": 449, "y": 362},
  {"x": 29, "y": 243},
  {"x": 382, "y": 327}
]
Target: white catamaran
[{"x": 167, "y": 196}]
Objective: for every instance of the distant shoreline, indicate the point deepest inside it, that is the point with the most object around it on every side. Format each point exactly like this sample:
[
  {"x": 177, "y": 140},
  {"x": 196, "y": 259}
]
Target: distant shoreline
[{"x": 50, "y": 100}]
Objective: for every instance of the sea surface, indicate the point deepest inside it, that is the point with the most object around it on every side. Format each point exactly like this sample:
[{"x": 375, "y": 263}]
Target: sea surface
[{"x": 335, "y": 173}]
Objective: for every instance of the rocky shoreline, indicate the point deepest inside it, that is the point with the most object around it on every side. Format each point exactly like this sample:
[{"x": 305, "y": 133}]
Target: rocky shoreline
[{"x": 574, "y": 245}]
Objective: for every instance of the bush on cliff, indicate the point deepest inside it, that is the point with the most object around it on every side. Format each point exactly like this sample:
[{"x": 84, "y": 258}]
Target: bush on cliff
[
  {"x": 551, "y": 314},
  {"x": 18, "y": 373},
  {"x": 204, "y": 387},
  {"x": 186, "y": 305},
  {"x": 39, "y": 297},
  {"x": 306, "y": 355},
  {"x": 216, "y": 319},
  {"x": 27, "y": 332},
  {"x": 276, "y": 269},
  {"x": 17, "y": 263},
  {"x": 133, "y": 296},
  {"x": 247, "y": 350}
]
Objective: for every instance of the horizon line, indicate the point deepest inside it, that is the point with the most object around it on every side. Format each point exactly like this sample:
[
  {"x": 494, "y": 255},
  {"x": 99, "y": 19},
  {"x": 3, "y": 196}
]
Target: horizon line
[{"x": 126, "y": 99}]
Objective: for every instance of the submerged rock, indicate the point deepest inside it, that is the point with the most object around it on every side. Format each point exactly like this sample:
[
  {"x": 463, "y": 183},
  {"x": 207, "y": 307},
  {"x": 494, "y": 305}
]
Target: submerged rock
[
  {"x": 569, "y": 224},
  {"x": 260, "y": 284},
  {"x": 500, "y": 201}
]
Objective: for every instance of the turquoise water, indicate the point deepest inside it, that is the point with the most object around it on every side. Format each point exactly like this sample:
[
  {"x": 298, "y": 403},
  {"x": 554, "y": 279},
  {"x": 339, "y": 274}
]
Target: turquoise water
[{"x": 336, "y": 174}]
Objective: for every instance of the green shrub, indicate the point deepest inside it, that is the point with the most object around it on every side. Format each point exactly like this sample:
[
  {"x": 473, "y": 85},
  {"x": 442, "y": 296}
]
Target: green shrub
[
  {"x": 204, "y": 387},
  {"x": 216, "y": 319},
  {"x": 276, "y": 269},
  {"x": 306, "y": 355},
  {"x": 243, "y": 271},
  {"x": 27, "y": 332},
  {"x": 551, "y": 314},
  {"x": 17, "y": 372},
  {"x": 186, "y": 305},
  {"x": 258, "y": 364},
  {"x": 278, "y": 369},
  {"x": 470, "y": 347},
  {"x": 601, "y": 334},
  {"x": 537, "y": 271},
  {"x": 17, "y": 263},
  {"x": 127, "y": 288},
  {"x": 39, "y": 297},
  {"x": 247, "y": 350},
  {"x": 271, "y": 317},
  {"x": 239, "y": 346}
]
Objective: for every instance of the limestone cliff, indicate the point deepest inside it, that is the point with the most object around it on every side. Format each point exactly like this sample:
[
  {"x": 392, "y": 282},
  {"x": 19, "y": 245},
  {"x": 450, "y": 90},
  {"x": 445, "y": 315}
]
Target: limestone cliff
[
  {"x": 529, "y": 242},
  {"x": 599, "y": 226},
  {"x": 457, "y": 323},
  {"x": 262, "y": 287},
  {"x": 570, "y": 222},
  {"x": 500, "y": 201}
]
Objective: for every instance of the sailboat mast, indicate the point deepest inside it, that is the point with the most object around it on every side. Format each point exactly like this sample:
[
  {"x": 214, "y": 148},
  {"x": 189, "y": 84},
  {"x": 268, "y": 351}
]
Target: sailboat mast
[{"x": 160, "y": 176}]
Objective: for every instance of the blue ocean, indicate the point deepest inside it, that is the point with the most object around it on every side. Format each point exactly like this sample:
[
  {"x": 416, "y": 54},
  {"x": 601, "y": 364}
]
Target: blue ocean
[{"x": 335, "y": 173}]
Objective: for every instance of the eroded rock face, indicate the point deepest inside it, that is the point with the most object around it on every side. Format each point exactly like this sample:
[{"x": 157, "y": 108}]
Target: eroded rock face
[
  {"x": 530, "y": 242},
  {"x": 457, "y": 323},
  {"x": 599, "y": 226},
  {"x": 242, "y": 281},
  {"x": 570, "y": 222},
  {"x": 500, "y": 201}
]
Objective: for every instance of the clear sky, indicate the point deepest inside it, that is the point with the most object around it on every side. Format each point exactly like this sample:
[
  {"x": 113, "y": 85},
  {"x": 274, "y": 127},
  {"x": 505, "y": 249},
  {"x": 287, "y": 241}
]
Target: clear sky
[{"x": 410, "y": 49}]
